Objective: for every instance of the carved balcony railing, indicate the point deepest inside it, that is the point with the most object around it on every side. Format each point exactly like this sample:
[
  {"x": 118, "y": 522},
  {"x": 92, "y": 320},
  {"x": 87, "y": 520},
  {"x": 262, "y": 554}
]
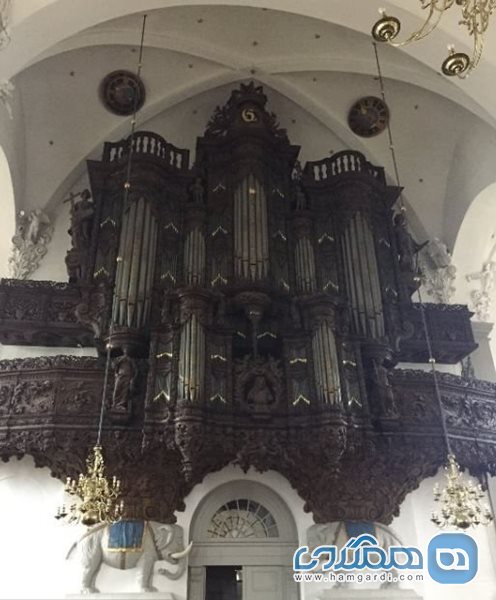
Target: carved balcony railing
[
  {"x": 49, "y": 409},
  {"x": 149, "y": 145},
  {"x": 41, "y": 313},
  {"x": 342, "y": 163}
]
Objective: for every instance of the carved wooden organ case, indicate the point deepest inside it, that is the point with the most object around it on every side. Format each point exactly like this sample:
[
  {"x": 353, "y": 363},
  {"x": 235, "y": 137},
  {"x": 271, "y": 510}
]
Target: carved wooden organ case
[{"x": 258, "y": 311}]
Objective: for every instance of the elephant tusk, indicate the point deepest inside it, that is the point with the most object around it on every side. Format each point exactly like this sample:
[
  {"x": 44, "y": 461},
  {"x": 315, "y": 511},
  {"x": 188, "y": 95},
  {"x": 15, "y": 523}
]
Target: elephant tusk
[{"x": 183, "y": 553}]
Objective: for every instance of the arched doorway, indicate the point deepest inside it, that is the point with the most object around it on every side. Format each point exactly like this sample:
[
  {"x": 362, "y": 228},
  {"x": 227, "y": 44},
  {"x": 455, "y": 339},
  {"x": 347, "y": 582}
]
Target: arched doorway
[{"x": 244, "y": 537}]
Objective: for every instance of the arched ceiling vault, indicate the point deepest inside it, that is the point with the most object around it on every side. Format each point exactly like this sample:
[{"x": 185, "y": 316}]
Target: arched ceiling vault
[
  {"x": 314, "y": 58},
  {"x": 39, "y": 25}
]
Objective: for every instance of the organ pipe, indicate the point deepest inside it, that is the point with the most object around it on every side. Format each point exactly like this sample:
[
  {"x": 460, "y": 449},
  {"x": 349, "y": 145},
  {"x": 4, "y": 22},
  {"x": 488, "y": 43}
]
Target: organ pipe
[
  {"x": 251, "y": 244},
  {"x": 194, "y": 257},
  {"x": 192, "y": 359},
  {"x": 362, "y": 278},
  {"x": 326, "y": 366},
  {"x": 305, "y": 265},
  {"x": 134, "y": 276}
]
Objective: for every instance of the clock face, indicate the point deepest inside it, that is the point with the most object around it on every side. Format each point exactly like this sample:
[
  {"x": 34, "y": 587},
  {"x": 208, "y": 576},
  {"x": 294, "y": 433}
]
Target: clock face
[
  {"x": 368, "y": 116},
  {"x": 249, "y": 115}
]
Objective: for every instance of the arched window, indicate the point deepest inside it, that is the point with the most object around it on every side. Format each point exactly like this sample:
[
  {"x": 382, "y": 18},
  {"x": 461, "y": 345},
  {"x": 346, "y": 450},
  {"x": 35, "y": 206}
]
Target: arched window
[{"x": 242, "y": 518}]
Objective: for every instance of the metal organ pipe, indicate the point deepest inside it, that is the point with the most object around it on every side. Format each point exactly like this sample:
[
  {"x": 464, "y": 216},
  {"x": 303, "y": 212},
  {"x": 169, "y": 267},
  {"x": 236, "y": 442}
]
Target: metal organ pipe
[
  {"x": 251, "y": 244},
  {"x": 135, "y": 263},
  {"x": 194, "y": 257},
  {"x": 134, "y": 276},
  {"x": 326, "y": 366},
  {"x": 305, "y": 265},
  {"x": 192, "y": 359},
  {"x": 362, "y": 278}
]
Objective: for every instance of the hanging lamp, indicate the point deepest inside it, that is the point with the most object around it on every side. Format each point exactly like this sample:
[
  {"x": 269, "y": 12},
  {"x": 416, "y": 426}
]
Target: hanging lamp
[
  {"x": 475, "y": 16},
  {"x": 97, "y": 497}
]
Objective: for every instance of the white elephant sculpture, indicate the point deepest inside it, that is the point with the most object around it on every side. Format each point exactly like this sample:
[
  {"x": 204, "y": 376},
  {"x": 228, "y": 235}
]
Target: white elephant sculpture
[
  {"x": 338, "y": 533},
  {"x": 157, "y": 542}
]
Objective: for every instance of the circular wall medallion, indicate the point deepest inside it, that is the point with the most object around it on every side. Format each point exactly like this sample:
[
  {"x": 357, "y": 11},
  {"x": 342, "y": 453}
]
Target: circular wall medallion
[
  {"x": 369, "y": 116},
  {"x": 122, "y": 92}
]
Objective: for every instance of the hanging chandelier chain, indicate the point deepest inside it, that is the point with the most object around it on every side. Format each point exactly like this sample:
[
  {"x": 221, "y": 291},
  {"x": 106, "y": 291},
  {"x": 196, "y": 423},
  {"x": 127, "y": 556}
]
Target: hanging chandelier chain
[
  {"x": 98, "y": 496},
  {"x": 432, "y": 360},
  {"x": 127, "y": 183},
  {"x": 127, "y": 186},
  {"x": 389, "y": 129}
]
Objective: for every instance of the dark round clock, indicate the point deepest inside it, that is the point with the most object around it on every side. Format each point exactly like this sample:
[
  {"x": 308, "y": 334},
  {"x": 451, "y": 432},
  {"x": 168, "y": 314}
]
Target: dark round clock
[{"x": 369, "y": 116}]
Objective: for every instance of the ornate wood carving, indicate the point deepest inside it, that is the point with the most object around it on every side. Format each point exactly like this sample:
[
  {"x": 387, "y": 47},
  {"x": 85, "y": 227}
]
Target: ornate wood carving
[{"x": 262, "y": 344}]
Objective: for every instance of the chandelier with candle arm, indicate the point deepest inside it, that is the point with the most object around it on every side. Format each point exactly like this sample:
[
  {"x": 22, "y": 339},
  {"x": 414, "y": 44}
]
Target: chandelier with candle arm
[
  {"x": 461, "y": 501},
  {"x": 475, "y": 17}
]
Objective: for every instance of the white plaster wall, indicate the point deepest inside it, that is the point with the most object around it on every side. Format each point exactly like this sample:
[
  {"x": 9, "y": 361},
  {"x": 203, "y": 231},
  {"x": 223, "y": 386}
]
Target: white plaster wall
[
  {"x": 10, "y": 352},
  {"x": 33, "y": 544},
  {"x": 441, "y": 368}
]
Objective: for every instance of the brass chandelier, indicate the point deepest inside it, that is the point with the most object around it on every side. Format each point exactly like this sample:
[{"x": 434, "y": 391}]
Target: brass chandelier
[
  {"x": 475, "y": 16},
  {"x": 96, "y": 496},
  {"x": 461, "y": 505}
]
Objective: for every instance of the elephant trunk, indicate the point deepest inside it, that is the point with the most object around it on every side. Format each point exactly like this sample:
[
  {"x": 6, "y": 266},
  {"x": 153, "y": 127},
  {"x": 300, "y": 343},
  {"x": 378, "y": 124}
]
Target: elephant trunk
[
  {"x": 179, "y": 559},
  {"x": 183, "y": 554}
]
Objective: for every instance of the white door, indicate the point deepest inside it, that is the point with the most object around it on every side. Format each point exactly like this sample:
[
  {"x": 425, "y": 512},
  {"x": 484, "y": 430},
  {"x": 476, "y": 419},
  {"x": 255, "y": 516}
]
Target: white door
[{"x": 269, "y": 583}]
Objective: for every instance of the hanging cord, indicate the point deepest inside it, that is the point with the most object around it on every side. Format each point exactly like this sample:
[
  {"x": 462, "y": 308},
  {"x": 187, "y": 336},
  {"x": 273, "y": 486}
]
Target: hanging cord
[
  {"x": 389, "y": 129},
  {"x": 432, "y": 360},
  {"x": 127, "y": 183},
  {"x": 127, "y": 187}
]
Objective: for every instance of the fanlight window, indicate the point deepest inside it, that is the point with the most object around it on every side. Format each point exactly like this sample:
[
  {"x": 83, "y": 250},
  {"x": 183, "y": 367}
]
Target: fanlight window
[{"x": 241, "y": 519}]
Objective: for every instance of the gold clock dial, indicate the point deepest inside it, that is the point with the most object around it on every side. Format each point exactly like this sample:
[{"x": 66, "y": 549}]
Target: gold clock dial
[
  {"x": 369, "y": 116},
  {"x": 249, "y": 115}
]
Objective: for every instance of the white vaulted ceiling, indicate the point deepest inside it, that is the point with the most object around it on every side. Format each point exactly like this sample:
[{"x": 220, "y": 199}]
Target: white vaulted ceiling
[{"x": 314, "y": 59}]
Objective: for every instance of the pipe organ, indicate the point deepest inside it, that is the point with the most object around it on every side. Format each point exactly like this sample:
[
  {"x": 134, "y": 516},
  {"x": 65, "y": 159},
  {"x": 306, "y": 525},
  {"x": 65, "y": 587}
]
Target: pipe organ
[
  {"x": 272, "y": 251},
  {"x": 256, "y": 310}
]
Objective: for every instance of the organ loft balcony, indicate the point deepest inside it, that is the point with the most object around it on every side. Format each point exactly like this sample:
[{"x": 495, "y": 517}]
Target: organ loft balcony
[{"x": 257, "y": 312}]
